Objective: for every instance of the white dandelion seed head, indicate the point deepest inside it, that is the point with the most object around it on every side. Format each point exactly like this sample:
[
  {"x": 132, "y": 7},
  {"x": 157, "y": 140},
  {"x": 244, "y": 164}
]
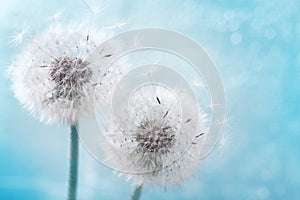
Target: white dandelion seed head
[
  {"x": 53, "y": 75},
  {"x": 161, "y": 144}
]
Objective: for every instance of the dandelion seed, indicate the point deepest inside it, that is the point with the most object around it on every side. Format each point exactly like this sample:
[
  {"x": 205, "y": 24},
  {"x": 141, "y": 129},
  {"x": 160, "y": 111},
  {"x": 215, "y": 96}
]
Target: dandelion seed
[
  {"x": 18, "y": 37},
  {"x": 56, "y": 16},
  {"x": 93, "y": 9},
  {"x": 211, "y": 106},
  {"x": 224, "y": 142},
  {"x": 118, "y": 25},
  {"x": 226, "y": 138}
]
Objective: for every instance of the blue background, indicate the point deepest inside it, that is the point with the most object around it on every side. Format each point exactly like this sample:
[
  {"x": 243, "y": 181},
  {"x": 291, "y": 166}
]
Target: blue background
[{"x": 255, "y": 45}]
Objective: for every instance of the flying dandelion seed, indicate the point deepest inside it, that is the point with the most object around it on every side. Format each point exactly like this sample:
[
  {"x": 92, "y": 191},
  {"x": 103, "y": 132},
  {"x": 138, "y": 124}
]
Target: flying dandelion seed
[
  {"x": 224, "y": 142},
  {"x": 56, "y": 16},
  {"x": 18, "y": 37},
  {"x": 97, "y": 8},
  {"x": 225, "y": 139},
  {"x": 119, "y": 25}
]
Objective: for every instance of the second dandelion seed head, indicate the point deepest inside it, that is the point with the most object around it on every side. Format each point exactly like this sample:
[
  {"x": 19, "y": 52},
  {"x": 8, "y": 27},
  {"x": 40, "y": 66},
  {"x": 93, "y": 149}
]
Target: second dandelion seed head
[{"x": 155, "y": 140}]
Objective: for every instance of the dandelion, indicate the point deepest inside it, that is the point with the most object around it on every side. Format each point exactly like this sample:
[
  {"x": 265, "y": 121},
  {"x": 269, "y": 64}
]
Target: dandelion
[
  {"x": 53, "y": 76},
  {"x": 162, "y": 144},
  {"x": 55, "y": 79}
]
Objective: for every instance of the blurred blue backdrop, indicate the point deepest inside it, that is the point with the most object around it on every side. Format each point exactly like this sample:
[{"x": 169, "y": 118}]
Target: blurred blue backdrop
[{"x": 256, "y": 46}]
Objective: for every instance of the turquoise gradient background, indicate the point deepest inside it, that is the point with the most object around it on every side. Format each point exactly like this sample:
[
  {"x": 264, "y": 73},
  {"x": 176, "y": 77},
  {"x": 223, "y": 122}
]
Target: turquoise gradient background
[{"x": 256, "y": 47}]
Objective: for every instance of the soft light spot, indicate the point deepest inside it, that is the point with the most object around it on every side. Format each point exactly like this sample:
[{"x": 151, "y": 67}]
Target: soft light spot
[
  {"x": 287, "y": 32},
  {"x": 234, "y": 25},
  {"x": 262, "y": 193},
  {"x": 274, "y": 128},
  {"x": 294, "y": 126},
  {"x": 197, "y": 83},
  {"x": 221, "y": 26},
  {"x": 270, "y": 34},
  {"x": 297, "y": 28},
  {"x": 298, "y": 59},
  {"x": 229, "y": 14},
  {"x": 255, "y": 46},
  {"x": 236, "y": 38}
]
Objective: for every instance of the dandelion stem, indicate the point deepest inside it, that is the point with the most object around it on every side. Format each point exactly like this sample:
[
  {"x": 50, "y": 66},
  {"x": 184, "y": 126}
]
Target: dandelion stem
[
  {"x": 137, "y": 193},
  {"x": 73, "y": 168}
]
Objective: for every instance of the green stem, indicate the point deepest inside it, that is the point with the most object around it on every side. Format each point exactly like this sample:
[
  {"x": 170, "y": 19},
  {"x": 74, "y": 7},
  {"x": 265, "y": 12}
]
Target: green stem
[
  {"x": 137, "y": 193},
  {"x": 73, "y": 168}
]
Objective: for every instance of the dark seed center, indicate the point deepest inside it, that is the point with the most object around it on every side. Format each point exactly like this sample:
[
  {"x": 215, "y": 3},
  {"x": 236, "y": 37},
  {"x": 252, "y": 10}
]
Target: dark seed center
[
  {"x": 69, "y": 74},
  {"x": 155, "y": 138}
]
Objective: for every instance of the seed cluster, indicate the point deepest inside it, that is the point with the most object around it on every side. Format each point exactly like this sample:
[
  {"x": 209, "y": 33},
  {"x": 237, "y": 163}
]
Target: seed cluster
[
  {"x": 154, "y": 137},
  {"x": 69, "y": 75}
]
